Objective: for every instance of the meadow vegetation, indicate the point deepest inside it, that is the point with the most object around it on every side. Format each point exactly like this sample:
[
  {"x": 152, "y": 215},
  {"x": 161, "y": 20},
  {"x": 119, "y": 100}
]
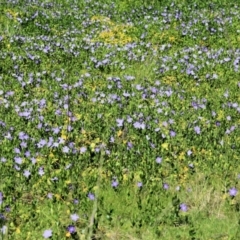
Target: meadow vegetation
[{"x": 119, "y": 119}]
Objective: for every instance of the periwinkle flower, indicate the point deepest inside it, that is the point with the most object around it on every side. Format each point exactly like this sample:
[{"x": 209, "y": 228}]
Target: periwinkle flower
[
  {"x": 189, "y": 152},
  {"x": 91, "y": 196},
  {"x": 71, "y": 229},
  {"x": 23, "y": 144},
  {"x": 65, "y": 149},
  {"x": 18, "y": 160},
  {"x": 17, "y": 150},
  {"x": 26, "y": 173},
  {"x": 165, "y": 186},
  {"x": 1, "y": 198},
  {"x": 83, "y": 149},
  {"x": 172, "y": 133},
  {"x": 74, "y": 217},
  {"x": 112, "y": 140},
  {"x": 152, "y": 145},
  {"x": 158, "y": 160},
  {"x": 197, "y": 130},
  {"x": 191, "y": 165},
  {"x": 233, "y": 192},
  {"x": 119, "y": 122},
  {"x": 75, "y": 201},
  {"x": 183, "y": 207},
  {"x": 41, "y": 171},
  {"x": 114, "y": 183},
  {"x": 129, "y": 145},
  {"x": 50, "y": 195},
  {"x": 47, "y": 233},
  {"x": 139, "y": 125},
  {"x": 4, "y": 229},
  {"x": 41, "y": 143},
  {"x": 56, "y": 130}
]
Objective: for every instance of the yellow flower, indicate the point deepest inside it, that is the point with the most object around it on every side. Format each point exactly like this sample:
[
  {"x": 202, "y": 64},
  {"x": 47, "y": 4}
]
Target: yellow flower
[
  {"x": 165, "y": 146},
  {"x": 225, "y": 195},
  {"x": 172, "y": 39},
  {"x": 68, "y": 234},
  {"x": 68, "y": 181},
  {"x": 119, "y": 133},
  {"x": 125, "y": 177},
  {"x": 181, "y": 156},
  {"x": 64, "y": 136},
  {"x": 57, "y": 196}
]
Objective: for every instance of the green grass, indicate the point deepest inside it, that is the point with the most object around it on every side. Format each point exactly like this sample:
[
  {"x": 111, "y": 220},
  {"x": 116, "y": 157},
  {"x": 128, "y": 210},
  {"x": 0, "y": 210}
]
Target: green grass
[{"x": 100, "y": 107}]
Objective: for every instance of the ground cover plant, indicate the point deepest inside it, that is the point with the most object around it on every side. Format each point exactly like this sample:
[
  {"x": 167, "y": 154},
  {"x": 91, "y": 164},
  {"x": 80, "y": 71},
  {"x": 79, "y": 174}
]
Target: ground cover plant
[{"x": 119, "y": 119}]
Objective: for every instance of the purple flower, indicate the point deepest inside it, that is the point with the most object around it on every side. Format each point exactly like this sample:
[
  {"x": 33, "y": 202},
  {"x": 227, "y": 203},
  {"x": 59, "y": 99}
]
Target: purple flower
[
  {"x": 83, "y": 149},
  {"x": 172, "y": 133},
  {"x": 91, "y": 196},
  {"x": 42, "y": 143},
  {"x": 115, "y": 183},
  {"x": 16, "y": 150},
  {"x": 26, "y": 173},
  {"x": 139, "y": 125},
  {"x": 139, "y": 184},
  {"x": 119, "y": 122},
  {"x": 233, "y": 192},
  {"x": 27, "y": 154},
  {"x": 191, "y": 165},
  {"x": 33, "y": 160},
  {"x": 50, "y": 195},
  {"x": 197, "y": 130},
  {"x": 74, "y": 217},
  {"x": 1, "y": 198},
  {"x": 47, "y": 233},
  {"x": 3, "y": 229},
  {"x": 65, "y": 149},
  {"x": 229, "y": 118},
  {"x": 56, "y": 130},
  {"x": 18, "y": 160},
  {"x": 129, "y": 145},
  {"x": 158, "y": 160},
  {"x": 152, "y": 145},
  {"x": 177, "y": 188},
  {"x": 165, "y": 186},
  {"x": 183, "y": 207},
  {"x": 189, "y": 152},
  {"x": 41, "y": 171},
  {"x": 23, "y": 144},
  {"x": 71, "y": 229}
]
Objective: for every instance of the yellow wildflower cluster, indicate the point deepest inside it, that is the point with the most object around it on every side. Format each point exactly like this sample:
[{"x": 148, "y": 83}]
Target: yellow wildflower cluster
[
  {"x": 116, "y": 34},
  {"x": 170, "y": 80},
  {"x": 183, "y": 175}
]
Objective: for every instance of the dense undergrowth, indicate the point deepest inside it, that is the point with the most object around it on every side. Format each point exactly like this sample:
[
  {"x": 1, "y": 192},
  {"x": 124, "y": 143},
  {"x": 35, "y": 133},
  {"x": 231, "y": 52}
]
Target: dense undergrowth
[{"x": 119, "y": 119}]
